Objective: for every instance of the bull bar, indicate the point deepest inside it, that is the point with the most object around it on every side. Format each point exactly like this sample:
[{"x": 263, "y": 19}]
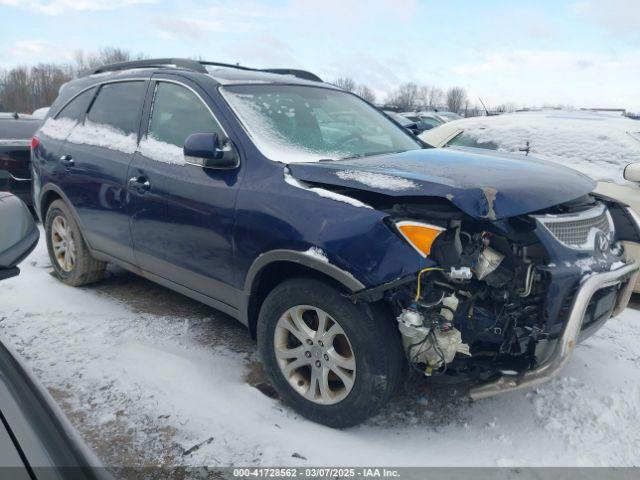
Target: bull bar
[{"x": 570, "y": 333}]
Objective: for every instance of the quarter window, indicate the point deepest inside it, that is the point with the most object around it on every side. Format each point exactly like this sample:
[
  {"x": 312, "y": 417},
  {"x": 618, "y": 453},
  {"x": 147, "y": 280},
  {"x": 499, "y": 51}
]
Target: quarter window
[
  {"x": 118, "y": 105},
  {"x": 77, "y": 107},
  {"x": 177, "y": 113}
]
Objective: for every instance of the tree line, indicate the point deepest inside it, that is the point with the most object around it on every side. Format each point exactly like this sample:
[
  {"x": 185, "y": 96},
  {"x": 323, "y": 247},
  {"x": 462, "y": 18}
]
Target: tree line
[
  {"x": 26, "y": 88},
  {"x": 410, "y": 96}
]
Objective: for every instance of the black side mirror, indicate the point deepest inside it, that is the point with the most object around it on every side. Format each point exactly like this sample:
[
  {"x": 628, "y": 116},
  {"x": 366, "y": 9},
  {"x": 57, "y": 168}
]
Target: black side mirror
[
  {"x": 18, "y": 234},
  {"x": 207, "y": 150}
]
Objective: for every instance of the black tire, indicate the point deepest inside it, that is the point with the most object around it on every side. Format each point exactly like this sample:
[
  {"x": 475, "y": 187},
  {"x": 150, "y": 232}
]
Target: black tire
[
  {"x": 86, "y": 269},
  {"x": 373, "y": 337}
]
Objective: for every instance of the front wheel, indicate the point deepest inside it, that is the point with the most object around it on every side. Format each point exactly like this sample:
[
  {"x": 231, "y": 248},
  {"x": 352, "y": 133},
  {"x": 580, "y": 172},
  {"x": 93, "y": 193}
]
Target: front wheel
[{"x": 334, "y": 362}]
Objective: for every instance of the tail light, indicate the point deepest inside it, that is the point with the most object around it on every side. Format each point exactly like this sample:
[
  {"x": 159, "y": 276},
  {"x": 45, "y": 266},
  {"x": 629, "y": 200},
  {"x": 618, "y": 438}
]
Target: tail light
[{"x": 35, "y": 141}]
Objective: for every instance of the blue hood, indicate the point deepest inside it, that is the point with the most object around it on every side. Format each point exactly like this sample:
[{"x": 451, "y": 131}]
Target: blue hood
[{"x": 491, "y": 186}]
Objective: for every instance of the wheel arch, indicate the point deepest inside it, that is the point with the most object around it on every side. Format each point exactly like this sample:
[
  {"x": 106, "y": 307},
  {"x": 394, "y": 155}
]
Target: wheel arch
[
  {"x": 49, "y": 194},
  {"x": 272, "y": 268}
]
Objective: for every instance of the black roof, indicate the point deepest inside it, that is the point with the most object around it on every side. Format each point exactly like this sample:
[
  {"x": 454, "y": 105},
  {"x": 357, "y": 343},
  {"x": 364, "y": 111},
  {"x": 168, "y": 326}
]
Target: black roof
[{"x": 224, "y": 72}]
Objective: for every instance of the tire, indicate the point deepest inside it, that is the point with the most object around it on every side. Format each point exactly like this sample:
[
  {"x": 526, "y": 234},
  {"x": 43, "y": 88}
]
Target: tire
[
  {"x": 371, "y": 338},
  {"x": 82, "y": 268}
]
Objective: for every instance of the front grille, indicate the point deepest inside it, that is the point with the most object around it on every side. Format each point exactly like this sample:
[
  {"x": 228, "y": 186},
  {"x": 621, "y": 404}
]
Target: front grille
[{"x": 578, "y": 230}]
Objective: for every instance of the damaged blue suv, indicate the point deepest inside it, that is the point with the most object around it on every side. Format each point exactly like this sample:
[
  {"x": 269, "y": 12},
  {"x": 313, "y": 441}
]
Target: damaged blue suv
[{"x": 352, "y": 252}]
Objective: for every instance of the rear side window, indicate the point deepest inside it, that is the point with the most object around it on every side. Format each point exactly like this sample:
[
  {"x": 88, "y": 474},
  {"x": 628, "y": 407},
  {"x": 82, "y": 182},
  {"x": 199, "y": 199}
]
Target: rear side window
[
  {"x": 76, "y": 108},
  {"x": 118, "y": 105},
  {"x": 177, "y": 113}
]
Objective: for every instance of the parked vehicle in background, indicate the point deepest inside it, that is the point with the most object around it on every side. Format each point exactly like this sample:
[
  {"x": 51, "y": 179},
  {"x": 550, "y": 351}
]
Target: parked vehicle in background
[
  {"x": 16, "y": 131},
  {"x": 424, "y": 121},
  {"x": 447, "y": 116},
  {"x": 349, "y": 253},
  {"x": 36, "y": 439},
  {"x": 600, "y": 145},
  {"x": 40, "y": 113},
  {"x": 404, "y": 122}
]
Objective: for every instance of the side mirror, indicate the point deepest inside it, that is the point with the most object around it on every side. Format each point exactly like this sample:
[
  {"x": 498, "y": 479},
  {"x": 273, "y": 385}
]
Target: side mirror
[
  {"x": 206, "y": 150},
  {"x": 632, "y": 172},
  {"x": 18, "y": 234}
]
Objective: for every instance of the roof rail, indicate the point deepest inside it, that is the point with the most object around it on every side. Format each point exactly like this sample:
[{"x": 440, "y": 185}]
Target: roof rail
[
  {"x": 150, "y": 63},
  {"x": 303, "y": 74},
  {"x": 198, "y": 66}
]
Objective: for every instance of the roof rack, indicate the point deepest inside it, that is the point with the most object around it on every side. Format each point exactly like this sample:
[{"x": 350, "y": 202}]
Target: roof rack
[
  {"x": 303, "y": 74},
  {"x": 199, "y": 66},
  {"x": 150, "y": 63}
]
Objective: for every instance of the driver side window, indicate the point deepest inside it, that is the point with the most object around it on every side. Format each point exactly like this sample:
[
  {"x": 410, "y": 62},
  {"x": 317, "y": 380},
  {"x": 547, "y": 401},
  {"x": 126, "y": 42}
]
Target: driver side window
[{"x": 176, "y": 113}]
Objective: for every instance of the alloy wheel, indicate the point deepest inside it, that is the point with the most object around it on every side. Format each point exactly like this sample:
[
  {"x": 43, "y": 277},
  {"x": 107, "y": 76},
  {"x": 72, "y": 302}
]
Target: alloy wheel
[
  {"x": 314, "y": 354},
  {"x": 64, "y": 247}
]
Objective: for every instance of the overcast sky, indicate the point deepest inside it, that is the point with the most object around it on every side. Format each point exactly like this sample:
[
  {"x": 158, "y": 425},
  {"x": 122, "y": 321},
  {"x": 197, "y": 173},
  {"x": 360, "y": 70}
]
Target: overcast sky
[{"x": 584, "y": 53}]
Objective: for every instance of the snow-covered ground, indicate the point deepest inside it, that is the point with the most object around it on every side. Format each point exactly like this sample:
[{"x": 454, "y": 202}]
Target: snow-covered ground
[
  {"x": 147, "y": 375},
  {"x": 597, "y": 144}
]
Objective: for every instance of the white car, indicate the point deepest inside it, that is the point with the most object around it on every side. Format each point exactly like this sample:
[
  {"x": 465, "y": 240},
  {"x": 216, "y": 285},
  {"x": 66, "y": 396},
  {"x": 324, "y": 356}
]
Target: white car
[{"x": 600, "y": 145}]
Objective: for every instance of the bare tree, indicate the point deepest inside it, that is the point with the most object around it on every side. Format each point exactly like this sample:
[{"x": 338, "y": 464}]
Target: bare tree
[
  {"x": 46, "y": 80},
  {"x": 105, "y": 56},
  {"x": 24, "y": 89},
  {"x": 430, "y": 96},
  {"x": 346, "y": 83},
  {"x": 16, "y": 94},
  {"x": 405, "y": 97},
  {"x": 456, "y": 98},
  {"x": 506, "y": 107},
  {"x": 366, "y": 93}
]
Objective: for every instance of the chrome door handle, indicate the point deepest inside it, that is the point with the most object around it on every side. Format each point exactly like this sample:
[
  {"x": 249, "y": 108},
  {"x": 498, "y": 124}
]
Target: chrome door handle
[{"x": 67, "y": 160}]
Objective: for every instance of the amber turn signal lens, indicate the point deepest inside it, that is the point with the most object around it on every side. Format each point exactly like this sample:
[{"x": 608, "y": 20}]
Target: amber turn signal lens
[{"x": 420, "y": 235}]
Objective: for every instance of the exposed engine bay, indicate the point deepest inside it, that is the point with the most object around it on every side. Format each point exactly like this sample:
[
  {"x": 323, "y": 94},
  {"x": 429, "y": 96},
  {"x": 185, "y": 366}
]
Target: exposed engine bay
[
  {"x": 479, "y": 310},
  {"x": 480, "y": 301}
]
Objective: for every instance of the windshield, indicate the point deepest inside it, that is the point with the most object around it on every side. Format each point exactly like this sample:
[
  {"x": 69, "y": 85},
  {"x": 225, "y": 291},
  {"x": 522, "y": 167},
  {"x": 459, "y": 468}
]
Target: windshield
[{"x": 304, "y": 124}]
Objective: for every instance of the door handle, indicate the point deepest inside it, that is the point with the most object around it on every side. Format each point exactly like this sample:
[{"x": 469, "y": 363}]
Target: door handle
[
  {"x": 141, "y": 184},
  {"x": 67, "y": 160}
]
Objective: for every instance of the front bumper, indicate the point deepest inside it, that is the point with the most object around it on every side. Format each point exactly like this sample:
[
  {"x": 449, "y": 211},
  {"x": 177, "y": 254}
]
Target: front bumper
[{"x": 625, "y": 277}]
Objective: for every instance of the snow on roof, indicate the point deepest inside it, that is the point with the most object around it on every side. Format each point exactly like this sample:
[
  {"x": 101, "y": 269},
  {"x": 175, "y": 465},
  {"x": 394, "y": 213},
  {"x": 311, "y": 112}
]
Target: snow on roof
[{"x": 596, "y": 143}]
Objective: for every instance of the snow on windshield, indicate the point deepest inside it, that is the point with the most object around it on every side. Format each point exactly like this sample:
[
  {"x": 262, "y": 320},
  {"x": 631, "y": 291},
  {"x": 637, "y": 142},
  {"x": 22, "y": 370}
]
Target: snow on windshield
[
  {"x": 292, "y": 124},
  {"x": 597, "y": 145}
]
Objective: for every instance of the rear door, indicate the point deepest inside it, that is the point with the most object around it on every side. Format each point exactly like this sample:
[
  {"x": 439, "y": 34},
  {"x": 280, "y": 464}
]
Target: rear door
[
  {"x": 95, "y": 159},
  {"x": 182, "y": 220}
]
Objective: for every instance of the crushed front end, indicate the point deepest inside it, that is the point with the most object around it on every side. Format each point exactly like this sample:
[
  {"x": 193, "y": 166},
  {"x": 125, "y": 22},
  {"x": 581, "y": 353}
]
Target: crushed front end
[{"x": 502, "y": 303}]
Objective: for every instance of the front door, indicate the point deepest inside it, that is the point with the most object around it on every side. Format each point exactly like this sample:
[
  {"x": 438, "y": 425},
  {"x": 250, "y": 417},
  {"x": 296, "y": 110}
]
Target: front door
[{"x": 182, "y": 215}]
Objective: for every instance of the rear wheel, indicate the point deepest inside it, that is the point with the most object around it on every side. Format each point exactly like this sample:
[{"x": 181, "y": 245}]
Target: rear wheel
[
  {"x": 335, "y": 362},
  {"x": 70, "y": 257}
]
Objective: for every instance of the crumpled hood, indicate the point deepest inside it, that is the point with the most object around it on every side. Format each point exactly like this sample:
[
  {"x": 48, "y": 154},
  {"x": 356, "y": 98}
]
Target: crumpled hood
[{"x": 491, "y": 186}]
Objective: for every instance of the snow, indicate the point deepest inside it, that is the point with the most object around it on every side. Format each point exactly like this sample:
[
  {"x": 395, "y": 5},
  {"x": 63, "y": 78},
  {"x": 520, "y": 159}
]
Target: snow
[
  {"x": 318, "y": 254},
  {"x": 105, "y": 136},
  {"x": 377, "y": 180},
  {"x": 322, "y": 191},
  {"x": 89, "y": 133},
  {"x": 58, "y": 129},
  {"x": 146, "y": 375},
  {"x": 598, "y": 145},
  {"x": 161, "y": 151},
  {"x": 272, "y": 143}
]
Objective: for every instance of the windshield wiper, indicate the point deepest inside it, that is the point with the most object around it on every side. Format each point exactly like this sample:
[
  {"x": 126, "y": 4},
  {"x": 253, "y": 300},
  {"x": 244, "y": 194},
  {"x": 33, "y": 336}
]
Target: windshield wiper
[{"x": 372, "y": 154}]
